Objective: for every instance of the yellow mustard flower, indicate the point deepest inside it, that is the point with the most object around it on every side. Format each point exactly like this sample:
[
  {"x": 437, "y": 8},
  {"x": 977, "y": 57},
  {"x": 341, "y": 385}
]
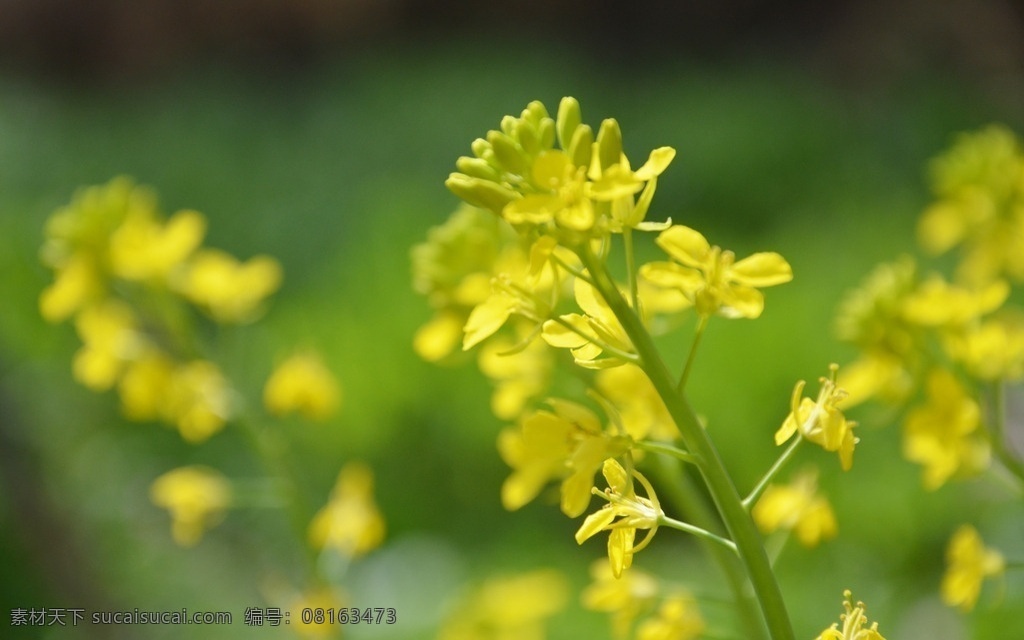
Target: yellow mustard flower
[
  {"x": 196, "y": 498},
  {"x": 566, "y": 443},
  {"x": 979, "y": 183},
  {"x": 711, "y": 277},
  {"x": 821, "y": 420},
  {"x": 625, "y": 598},
  {"x": 519, "y": 373},
  {"x": 302, "y": 384},
  {"x": 937, "y": 304},
  {"x": 350, "y": 523},
  {"x": 871, "y": 317},
  {"x": 595, "y": 337},
  {"x": 968, "y": 563},
  {"x": 77, "y": 283},
  {"x": 198, "y": 400},
  {"x": 622, "y": 516},
  {"x": 143, "y": 385},
  {"x": 642, "y": 410},
  {"x": 678, "y": 618},
  {"x": 990, "y": 350},
  {"x": 110, "y": 339},
  {"x": 798, "y": 507},
  {"x": 230, "y": 290},
  {"x": 943, "y": 434},
  {"x": 854, "y": 621},
  {"x": 513, "y": 607},
  {"x": 144, "y": 247}
]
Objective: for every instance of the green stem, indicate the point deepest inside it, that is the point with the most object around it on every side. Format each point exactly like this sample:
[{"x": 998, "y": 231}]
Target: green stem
[
  {"x": 723, "y": 492},
  {"x": 627, "y": 241},
  {"x": 773, "y": 471},
  {"x": 660, "y": 447},
  {"x": 701, "y": 325},
  {"x": 999, "y": 446},
  {"x": 697, "y": 531},
  {"x": 679, "y": 488}
]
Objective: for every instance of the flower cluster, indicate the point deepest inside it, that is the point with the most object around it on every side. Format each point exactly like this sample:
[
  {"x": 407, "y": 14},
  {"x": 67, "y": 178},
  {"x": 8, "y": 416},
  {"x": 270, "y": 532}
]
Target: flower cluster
[{"x": 947, "y": 349}]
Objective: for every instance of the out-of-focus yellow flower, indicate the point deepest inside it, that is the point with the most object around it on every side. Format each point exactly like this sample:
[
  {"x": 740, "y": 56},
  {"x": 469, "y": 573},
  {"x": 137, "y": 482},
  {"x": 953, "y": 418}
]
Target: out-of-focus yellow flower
[
  {"x": 854, "y": 621},
  {"x": 508, "y": 608},
  {"x": 943, "y": 434},
  {"x": 968, "y": 563},
  {"x": 990, "y": 350},
  {"x": 321, "y": 606},
  {"x": 350, "y": 522},
  {"x": 632, "y": 511},
  {"x": 566, "y": 443},
  {"x": 77, "y": 284},
  {"x": 109, "y": 340},
  {"x": 711, "y": 277},
  {"x": 144, "y": 248},
  {"x": 871, "y": 317},
  {"x": 198, "y": 400},
  {"x": 980, "y": 187},
  {"x": 799, "y": 507},
  {"x": 519, "y": 374},
  {"x": 591, "y": 335},
  {"x": 143, "y": 385},
  {"x": 821, "y": 420},
  {"x": 642, "y": 410},
  {"x": 302, "y": 384},
  {"x": 937, "y": 304},
  {"x": 625, "y": 598},
  {"x": 230, "y": 290},
  {"x": 196, "y": 498},
  {"x": 678, "y": 619}
]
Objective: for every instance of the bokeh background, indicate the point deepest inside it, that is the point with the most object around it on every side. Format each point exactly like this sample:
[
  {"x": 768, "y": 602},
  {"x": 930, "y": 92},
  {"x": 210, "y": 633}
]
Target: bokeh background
[{"x": 321, "y": 131}]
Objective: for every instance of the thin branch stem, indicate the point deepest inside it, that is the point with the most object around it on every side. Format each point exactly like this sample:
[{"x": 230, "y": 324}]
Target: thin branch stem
[
  {"x": 667, "y": 449},
  {"x": 1000, "y": 447},
  {"x": 701, "y": 325},
  {"x": 772, "y": 472},
  {"x": 634, "y": 293},
  {"x": 697, "y": 531}
]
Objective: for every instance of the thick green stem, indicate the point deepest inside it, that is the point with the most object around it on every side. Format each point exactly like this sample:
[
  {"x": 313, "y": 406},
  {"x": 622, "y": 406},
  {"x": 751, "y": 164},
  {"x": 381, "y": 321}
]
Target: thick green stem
[{"x": 723, "y": 492}]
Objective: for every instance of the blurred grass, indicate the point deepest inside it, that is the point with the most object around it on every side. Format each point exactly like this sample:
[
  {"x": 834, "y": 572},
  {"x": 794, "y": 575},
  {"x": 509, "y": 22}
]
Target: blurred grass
[{"x": 337, "y": 171}]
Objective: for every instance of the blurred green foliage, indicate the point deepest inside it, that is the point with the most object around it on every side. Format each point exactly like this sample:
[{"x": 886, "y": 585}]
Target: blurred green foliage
[{"x": 337, "y": 172}]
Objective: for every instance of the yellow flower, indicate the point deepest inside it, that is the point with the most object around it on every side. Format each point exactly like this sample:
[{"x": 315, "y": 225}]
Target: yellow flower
[
  {"x": 968, "y": 563},
  {"x": 678, "y": 619},
  {"x": 109, "y": 340},
  {"x": 350, "y": 522},
  {"x": 302, "y": 384},
  {"x": 508, "y": 608},
  {"x": 980, "y": 187},
  {"x": 854, "y": 621},
  {"x": 632, "y": 511},
  {"x": 943, "y": 434},
  {"x": 144, "y": 248},
  {"x": 143, "y": 385},
  {"x": 936, "y": 303},
  {"x": 625, "y": 597},
  {"x": 821, "y": 421},
  {"x": 198, "y": 400},
  {"x": 77, "y": 283},
  {"x": 519, "y": 374},
  {"x": 990, "y": 350},
  {"x": 230, "y": 290},
  {"x": 642, "y": 410},
  {"x": 591, "y": 335},
  {"x": 712, "y": 278},
  {"x": 195, "y": 496},
  {"x": 799, "y": 507},
  {"x": 566, "y": 443}
]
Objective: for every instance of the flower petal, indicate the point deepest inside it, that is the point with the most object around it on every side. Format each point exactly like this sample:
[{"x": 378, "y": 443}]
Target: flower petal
[
  {"x": 685, "y": 245},
  {"x": 762, "y": 270}
]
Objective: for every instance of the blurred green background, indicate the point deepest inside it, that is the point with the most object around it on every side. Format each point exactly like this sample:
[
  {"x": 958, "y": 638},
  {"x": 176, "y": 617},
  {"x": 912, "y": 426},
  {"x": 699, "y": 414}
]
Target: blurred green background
[{"x": 321, "y": 133}]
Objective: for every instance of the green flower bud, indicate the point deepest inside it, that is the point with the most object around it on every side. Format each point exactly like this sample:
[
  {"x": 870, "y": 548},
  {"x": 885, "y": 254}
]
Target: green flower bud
[
  {"x": 569, "y": 119},
  {"x": 508, "y": 153},
  {"x": 480, "y": 193},
  {"x": 582, "y": 146},
  {"x": 609, "y": 143},
  {"x": 477, "y": 168}
]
